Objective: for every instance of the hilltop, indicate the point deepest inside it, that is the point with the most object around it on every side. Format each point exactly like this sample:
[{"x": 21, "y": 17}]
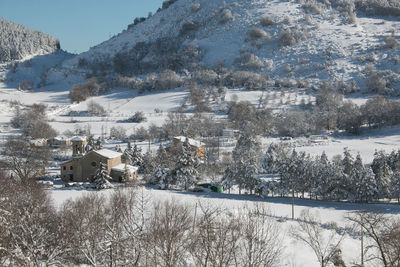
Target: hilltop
[
  {"x": 18, "y": 42},
  {"x": 352, "y": 44}
]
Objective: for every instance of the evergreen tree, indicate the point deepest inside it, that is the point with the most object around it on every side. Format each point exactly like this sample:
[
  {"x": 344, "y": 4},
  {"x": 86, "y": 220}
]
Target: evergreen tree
[
  {"x": 395, "y": 186},
  {"x": 162, "y": 159},
  {"x": 245, "y": 159},
  {"x": 382, "y": 172},
  {"x": 149, "y": 164},
  {"x": 185, "y": 171},
  {"x": 137, "y": 157},
  {"x": 228, "y": 179},
  {"x": 323, "y": 176},
  {"x": 347, "y": 162},
  {"x": 90, "y": 144},
  {"x": 273, "y": 158},
  {"x": 126, "y": 156},
  {"x": 101, "y": 178},
  {"x": 163, "y": 177}
]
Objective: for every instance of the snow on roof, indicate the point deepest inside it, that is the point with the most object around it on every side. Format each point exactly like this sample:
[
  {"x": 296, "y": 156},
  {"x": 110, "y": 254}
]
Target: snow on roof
[
  {"x": 121, "y": 168},
  {"x": 78, "y": 138},
  {"x": 60, "y": 138},
  {"x": 40, "y": 140},
  {"x": 110, "y": 154},
  {"x": 192, "y": 142}
]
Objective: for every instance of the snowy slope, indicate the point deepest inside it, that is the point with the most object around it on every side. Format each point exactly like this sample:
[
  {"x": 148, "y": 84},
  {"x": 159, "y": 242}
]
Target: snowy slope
[
  {"x": 330, "y": 47},
  {"x": 18, "y": 42}
]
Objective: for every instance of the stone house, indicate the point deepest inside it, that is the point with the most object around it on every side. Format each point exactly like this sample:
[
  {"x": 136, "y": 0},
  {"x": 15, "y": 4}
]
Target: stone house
[
  {"x": 83, "y": 166},
  {"x": 197, "y": 146},
  {"x": 59, "y": 141}
]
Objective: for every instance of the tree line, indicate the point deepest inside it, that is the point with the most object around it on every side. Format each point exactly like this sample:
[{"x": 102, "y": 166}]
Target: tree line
[{"x": 342, "y": 178}]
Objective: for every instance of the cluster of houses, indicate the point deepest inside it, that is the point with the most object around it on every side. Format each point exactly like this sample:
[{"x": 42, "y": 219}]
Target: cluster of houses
[{"x": 83, "y": 165}]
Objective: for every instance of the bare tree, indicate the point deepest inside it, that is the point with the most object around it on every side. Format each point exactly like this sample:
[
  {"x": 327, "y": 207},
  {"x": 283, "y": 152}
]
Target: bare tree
[
  {"x": 170, "y": 225},
  {"x": 325, "y": 244},
  {"x": 23, "y": 160},
  {"x": 215, "y": 237},
  {"x": 29, "y": 233},
  {"x": 260, "y": 244},
  {"x": 84, "y": 230},
  {"x": 384, "y": 232}
]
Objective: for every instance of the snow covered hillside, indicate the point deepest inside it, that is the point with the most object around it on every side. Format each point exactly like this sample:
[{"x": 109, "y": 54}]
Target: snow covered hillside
[
  {"x": 18, "y": 42},
  {"x": 290, "y": 41}
]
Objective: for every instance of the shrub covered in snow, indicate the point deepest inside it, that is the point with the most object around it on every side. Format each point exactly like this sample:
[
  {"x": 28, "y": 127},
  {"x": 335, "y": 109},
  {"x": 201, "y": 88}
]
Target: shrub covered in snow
[
  {"x": 225, "y": 16},
  {"x": 138, "y": 117},
  {"x": 168, "y": 79},
  {"x": 248, "y": 61},
  {"x": 291, "y": 37},
  {"x": 205, "y": 76},
  {"x": 267, "y": 21},
  {"x": 194, "y": 7},
  {"x": 257, "y": 33},
  {"x": 80, "y": 92},
  {"x": 391, "y": 42},
  {"x": 188, "y": 28},
  {"x": 247, "y": 79},
  {"x": 96, "y": 109}
]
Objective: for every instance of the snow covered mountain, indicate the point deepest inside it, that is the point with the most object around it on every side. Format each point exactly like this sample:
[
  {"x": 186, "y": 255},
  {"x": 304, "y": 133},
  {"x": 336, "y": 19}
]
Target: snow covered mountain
[
  {"x": 18, "y": 42},
  {"x": 353, "y": 43}
]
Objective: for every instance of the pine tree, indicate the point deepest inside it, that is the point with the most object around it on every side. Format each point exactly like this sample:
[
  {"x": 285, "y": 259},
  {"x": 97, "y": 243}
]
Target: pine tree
[
  {"x": 395, "y": 186},
  {"x": 101, "y": 178},
  {"x": 228, "y": 179},
  {"x": 273, "y": 158},
  {"x": 149, "y": 164},
  {"x": 347, "y": 162},
  {"x": 90, "y": 144},
  {"x": 185, "y": 171},
  {"x": 245, "y": 159},
  {"x": 126, "y": 156},
  {"x": 137, "y": 157},
  {"x": 162, "y": 159},
  {"x": 163, "y": 178},
  {"x": 382, "y": 172}
]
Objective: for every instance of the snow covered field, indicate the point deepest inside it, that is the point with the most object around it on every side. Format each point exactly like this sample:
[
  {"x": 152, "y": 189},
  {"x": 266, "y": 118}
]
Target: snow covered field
[{"x": 295, "y": 253}]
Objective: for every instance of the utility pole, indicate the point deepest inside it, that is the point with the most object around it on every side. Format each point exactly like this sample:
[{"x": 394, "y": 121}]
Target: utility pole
[
  {"x": 362, "y": 244},
  {"x": 292, "y": 202}
]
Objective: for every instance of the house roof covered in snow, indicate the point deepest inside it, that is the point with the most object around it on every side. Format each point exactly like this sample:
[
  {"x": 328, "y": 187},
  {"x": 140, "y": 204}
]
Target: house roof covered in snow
[
  {"x": 78, "y": 138},
  {"x": 192, "y": 142},
  {"x": 60, "y": 138},
  {"x": 110, "y": 154},
  {"x": 121, "y": 168},
  {"x": 39, "y": 140}
]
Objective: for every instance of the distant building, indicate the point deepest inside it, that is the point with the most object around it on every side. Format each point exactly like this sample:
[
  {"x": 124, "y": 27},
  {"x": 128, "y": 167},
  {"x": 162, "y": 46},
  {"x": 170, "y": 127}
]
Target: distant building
[
  {"x": 59, "y": 141},
  {"x": 197, "y": 146},
  {"x": 38, "y": 142},
  {"x": 83, "y": 166}
]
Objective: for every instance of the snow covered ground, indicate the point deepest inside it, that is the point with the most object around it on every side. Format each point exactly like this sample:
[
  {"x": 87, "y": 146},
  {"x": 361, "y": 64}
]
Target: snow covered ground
[{"x": 295, "y": 253}]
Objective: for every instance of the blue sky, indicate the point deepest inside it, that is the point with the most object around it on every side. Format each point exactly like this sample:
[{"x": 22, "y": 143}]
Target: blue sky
[{"x": 78, "y": 24}]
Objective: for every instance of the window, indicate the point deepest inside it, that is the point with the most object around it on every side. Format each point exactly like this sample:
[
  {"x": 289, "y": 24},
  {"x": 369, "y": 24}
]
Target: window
[
  {"x": 71, "y": 168},
  {"x": 64, "y": 168},
  {"x": 71, "y": 177},
  {"x": 94, "y": 163}
]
